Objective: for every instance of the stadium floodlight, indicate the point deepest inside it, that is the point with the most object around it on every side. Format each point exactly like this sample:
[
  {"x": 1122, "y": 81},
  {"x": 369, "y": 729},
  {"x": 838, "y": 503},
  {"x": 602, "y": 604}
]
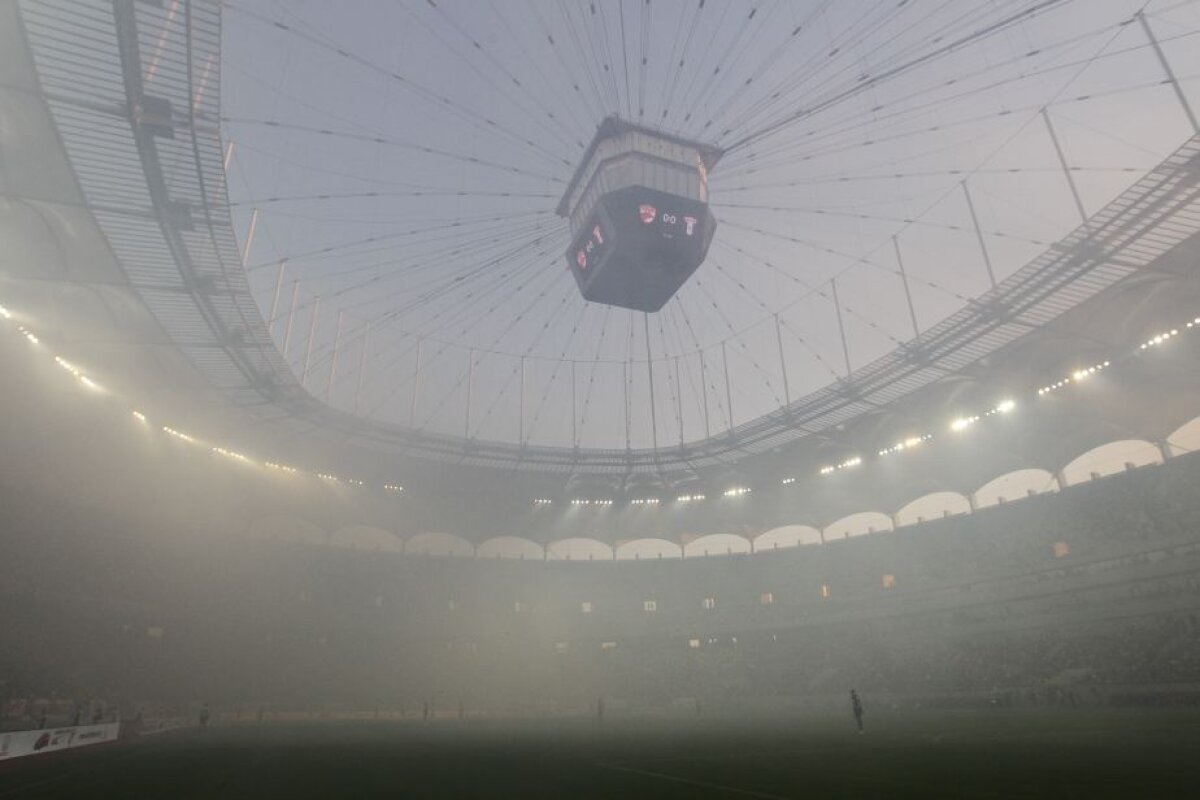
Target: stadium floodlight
[
  {"x": 1005, "y": 406},
  {"x": 139, "y": 416},
  {"x": 4, "y": 312},
  {"x": 230, "y": 454},
  {"x": 180, "y": 435},
  {"x": 396, "y": 488}
]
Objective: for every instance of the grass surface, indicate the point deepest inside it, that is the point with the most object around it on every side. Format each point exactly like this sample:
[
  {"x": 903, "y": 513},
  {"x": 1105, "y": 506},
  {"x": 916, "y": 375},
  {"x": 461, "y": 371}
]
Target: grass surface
[{"x": 1078, "y": 753}]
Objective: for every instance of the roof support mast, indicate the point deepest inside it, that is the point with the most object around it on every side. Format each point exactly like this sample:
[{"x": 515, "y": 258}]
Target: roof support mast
[
  {"x": 412, "y": 406},
  {"x": 787, "y": 396},
  {"x": 312, "y": 334},
  {"x": 1162, "y": 59},
  {"x": 362, "y": 367},
  {"x": 912, "y": 312},
  {"x": 987, "y": 259},
  {"x": 728, "y": 391},
  {"x": 337, "y": 343},
  {"x": 837, "y": 306},
  {"x": 287, "y": 332},
  {"x": 650, "y": 377},
  {"x": 275, "y": 297},
  {"x": 470, "y": 391},
  {"x": 1062, "y": 162}
]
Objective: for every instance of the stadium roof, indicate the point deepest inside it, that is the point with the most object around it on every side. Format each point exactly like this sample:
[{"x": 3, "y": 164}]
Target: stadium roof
[{"x": 895, "y": 211}]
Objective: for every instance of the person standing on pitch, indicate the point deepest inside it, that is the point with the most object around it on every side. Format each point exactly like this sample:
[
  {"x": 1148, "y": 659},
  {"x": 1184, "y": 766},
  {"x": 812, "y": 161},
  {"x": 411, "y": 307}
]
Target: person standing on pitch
[{"x": 857, "y": 708}]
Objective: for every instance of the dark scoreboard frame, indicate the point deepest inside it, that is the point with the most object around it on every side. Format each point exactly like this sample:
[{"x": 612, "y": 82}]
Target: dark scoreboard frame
[{"x": 639, "y": 246}]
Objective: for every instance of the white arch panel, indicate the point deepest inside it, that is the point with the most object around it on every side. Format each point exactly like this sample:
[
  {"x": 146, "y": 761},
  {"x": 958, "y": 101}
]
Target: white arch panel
[
  {"x": 578, "y": 549},
  {"x": 1015, "y": 485},
  {"x": 514, "y": 547},
  {"x": 648, "y": 549},
  {"x": 934, "y": 505},
  {"x": 858, "y": 524},
  {"x": 1110, "y": 459},
  {"x": 438, "y": 544},
  {"x": 786, "y": 536},
  {"x": 1185, "y": 438},
  {"x": 716, "y": 544}
]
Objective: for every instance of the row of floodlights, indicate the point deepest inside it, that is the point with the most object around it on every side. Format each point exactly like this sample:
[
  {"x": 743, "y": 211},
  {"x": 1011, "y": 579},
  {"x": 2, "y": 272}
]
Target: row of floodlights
[
  {"x": 1078, "y": 376},
  {"x": 1163, "y": 337},
  {"x": 175, "y": 433},
  {"x": 958, "y": 425},
  {"x": 639, "y": 501},
  {"x": 906, "y": 444},
  {"x": 849, "y": 463}
]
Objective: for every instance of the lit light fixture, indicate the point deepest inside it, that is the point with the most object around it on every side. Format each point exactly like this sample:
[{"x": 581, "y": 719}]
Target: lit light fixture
[
  {"x": 139, "y": 416},
  {"x": 689, "y": 498},
  {"x": 178, "y": 434},
  {"x": 788, "y": 481},
  {"x": 906, "y": 444},
  {"x": 962, "y": 423},
  {"x": 853, "y": 461},
  {"x": 1075, "y": 377},
  {"x": 4, "y": 312},
  {"x": 1005, "y": 406},
  {"x": 231, "y": 454},
  {"x": 1160, "y": 338},
  {"x": 279, "y": 467},
  {"x": 737, "y": 491},
  {"x": 393, "y": 487}
]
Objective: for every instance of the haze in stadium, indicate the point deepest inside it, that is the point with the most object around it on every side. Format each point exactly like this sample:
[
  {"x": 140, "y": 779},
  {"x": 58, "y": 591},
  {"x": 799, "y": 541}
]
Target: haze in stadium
[{"x": 628, "y": 398}]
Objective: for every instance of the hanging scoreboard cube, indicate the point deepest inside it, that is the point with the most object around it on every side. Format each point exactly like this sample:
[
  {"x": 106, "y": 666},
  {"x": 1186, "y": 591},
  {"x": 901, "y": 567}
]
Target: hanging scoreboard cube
[{"x": 638, "y": 209}]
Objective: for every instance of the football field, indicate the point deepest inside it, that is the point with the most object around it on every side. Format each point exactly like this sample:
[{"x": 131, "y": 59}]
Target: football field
[{"x": 1001, "y": 753}]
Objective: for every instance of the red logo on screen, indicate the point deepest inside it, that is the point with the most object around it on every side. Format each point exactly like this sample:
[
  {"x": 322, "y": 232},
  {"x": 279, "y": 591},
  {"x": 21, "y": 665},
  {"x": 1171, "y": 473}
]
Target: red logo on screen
[
  {"x": 581, "y": 259},
  {"x": 647, "y": 213}
]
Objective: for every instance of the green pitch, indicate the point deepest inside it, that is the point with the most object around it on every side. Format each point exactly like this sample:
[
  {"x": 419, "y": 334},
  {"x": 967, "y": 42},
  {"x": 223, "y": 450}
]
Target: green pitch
[{"x": 1069, "y": 753}]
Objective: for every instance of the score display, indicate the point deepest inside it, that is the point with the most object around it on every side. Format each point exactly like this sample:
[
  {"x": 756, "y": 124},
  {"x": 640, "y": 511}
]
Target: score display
[{"x": 639, "y": 246}]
